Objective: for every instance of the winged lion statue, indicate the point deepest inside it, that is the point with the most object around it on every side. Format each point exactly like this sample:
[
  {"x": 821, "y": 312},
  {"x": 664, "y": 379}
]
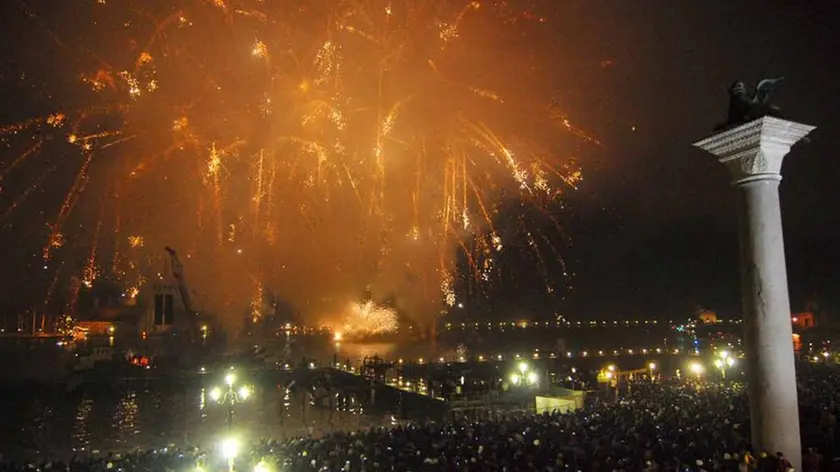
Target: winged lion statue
[{"x": 744, "y": 108}]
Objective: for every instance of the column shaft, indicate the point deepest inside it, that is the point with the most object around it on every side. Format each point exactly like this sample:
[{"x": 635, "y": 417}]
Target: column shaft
[{"x": 774, "y": 409}]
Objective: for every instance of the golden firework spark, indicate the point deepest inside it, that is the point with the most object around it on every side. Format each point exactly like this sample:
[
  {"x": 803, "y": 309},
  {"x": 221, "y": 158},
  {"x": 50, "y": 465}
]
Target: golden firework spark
[
  {"x": 368, "y": 318},
  {"x": 367, "y": 144}
]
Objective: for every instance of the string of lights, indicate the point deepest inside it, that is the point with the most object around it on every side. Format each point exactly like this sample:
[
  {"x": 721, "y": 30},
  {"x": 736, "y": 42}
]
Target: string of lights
[{"x": 574, "y": 324}]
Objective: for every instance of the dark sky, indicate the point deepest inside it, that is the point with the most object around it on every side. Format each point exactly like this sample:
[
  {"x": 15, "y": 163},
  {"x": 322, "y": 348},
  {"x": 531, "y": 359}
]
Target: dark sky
[{"x": 652, "y": 229}]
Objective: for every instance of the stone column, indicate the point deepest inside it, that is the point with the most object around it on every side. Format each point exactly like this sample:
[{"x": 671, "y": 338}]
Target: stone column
[{"x": 754, "y": 152}]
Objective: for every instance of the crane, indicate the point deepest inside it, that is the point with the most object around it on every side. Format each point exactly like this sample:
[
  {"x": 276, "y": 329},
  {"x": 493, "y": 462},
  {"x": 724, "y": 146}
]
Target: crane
[{"x": 178, "y": 273}]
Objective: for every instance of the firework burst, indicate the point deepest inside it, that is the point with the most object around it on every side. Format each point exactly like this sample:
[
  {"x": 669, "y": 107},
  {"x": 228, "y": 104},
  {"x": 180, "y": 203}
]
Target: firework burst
[
  {"x": 317, "y": 147},
  {"x": 369, "y": 319}
]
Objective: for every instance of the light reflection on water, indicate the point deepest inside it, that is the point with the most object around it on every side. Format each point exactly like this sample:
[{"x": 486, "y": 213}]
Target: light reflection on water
[
  {"x": 125, "y": 416},
  {"x": 80, "y": 426},
  {"x": 155, "y": 416}
]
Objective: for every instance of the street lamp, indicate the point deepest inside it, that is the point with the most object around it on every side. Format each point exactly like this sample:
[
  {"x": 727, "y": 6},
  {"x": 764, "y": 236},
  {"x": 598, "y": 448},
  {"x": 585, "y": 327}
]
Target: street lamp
[
  {"x": 525, "y": 376},
  {"x": 532, "y": 378},
  {"x": 230, "y": 396},
  {"x": 651, "y": 368},
  {"x": 608, "y": 375},
  {"x": 724, "y": 363}
]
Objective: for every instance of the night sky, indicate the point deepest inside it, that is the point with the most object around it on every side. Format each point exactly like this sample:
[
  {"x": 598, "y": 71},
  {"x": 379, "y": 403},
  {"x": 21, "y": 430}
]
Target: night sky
[
  {"x": 651, "y": 232},
  {"x": 654, "y": 232}
]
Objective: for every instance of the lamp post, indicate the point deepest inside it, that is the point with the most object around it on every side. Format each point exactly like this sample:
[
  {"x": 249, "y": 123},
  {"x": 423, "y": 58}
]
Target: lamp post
[
  {"x": 230, "y": 396},
  {"x": 724, "y": 362},
  {"x": 609, "y": 377},
  {"x": 651, "y": 368},
  {"x": 524, "y": 376}
]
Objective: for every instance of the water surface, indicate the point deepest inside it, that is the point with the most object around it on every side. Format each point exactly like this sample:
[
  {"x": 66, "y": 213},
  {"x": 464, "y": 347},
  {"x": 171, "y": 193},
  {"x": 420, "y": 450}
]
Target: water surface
[{"x": 158, "y": 414}]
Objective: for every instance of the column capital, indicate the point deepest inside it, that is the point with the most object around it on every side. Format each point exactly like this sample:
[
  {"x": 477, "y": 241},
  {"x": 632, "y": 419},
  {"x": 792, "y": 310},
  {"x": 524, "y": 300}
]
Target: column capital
[{"x": 755, "y": 150}]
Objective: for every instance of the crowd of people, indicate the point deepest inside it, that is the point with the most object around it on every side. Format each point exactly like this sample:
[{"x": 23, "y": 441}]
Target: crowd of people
[{"x": 653, "y": 427}]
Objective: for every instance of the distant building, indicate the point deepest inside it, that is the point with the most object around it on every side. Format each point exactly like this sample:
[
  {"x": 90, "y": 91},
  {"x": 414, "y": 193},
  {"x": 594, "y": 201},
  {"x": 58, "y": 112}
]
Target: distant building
[
  {"x": 804, "y": 320},
  {"x": 707, "y": 316},
  {"x": 102, "y": 310},
  {"x": 155, "y": 308},
  {"x": 102, "y": 300},
  {"x": 166, "y": 306},
  {"x": 96, "y": 328}
]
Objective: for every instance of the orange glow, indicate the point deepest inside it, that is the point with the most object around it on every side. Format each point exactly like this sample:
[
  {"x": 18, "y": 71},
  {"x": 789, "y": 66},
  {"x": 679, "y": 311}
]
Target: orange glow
[
  {"x": 797, "y": 342},
  {"x": 315, "y": 150}
]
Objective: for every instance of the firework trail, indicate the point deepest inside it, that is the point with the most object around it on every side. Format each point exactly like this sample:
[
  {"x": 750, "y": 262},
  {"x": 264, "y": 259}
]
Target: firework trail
[{"x": 317, "y": 147}]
